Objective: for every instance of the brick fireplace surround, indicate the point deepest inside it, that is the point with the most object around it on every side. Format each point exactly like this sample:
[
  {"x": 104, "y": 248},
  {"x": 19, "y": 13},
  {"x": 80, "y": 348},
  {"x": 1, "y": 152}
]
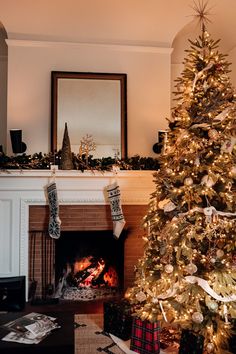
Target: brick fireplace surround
[
  {"x": 83, "y": 207},
  {"x": 89, "y": 218}
]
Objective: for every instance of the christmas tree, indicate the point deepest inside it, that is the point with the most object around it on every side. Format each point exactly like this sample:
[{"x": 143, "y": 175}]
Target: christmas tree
[{"x": 188, "y": 271}]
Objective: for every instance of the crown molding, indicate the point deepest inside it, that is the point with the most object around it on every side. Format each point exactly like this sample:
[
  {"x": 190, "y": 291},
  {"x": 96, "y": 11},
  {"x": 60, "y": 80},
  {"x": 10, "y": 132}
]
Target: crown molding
[{"x": 79, "y": 45}]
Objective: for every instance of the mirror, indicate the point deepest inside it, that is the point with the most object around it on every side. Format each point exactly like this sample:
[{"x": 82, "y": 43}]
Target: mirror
[{"x": 91, "y": 104}]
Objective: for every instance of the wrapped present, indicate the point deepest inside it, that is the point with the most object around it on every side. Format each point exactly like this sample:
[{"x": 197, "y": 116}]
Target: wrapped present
[
  {"x": 191, "y": 343},
  {"x": 145, "y": 337},
  {"x": 117, "y": 318}
]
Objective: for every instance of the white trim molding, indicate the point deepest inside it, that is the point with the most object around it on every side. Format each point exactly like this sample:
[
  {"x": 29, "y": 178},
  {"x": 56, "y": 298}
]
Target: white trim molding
[{"x": 24, "y": 188}]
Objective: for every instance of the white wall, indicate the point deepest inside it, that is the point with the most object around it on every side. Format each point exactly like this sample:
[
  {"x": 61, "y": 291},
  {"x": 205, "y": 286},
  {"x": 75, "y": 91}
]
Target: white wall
[
  {"x": 232, "y": 59},
  {"x": 29, "y": 87}
]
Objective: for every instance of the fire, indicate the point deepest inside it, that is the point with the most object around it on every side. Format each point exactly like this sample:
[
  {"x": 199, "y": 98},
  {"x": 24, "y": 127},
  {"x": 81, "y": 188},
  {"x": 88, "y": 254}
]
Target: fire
[
  {"x": 111, "y": 277},
  {"x": 92, "y": 272}
]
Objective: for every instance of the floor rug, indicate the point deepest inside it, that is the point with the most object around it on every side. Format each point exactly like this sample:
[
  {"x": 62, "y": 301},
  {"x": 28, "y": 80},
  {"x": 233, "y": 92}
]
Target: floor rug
[{"x": 90, "y": 337}]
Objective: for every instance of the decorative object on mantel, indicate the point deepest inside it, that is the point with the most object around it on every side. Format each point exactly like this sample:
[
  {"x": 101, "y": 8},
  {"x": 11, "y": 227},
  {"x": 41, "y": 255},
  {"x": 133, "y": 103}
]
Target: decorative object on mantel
[
  {"x": 66, "y": 155},
  {"x": 40, "y": 161},
  {"x": 54, "y": 227},
  {"x": 113, "y": 191},
  {"x": 86, "y": 146}
]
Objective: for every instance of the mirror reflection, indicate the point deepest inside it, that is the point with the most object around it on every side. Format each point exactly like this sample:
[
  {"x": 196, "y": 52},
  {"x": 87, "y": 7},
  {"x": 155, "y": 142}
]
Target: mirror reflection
[{"x": 91, "y": 104}]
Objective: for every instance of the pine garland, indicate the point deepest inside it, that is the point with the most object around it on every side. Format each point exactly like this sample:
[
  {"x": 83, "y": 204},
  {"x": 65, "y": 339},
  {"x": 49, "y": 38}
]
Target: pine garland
[{"x": 44, "y": 161}]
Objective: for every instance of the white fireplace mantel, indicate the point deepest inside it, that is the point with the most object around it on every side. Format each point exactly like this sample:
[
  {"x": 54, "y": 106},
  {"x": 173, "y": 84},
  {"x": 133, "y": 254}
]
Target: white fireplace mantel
[{"x": 20, "y": 189}]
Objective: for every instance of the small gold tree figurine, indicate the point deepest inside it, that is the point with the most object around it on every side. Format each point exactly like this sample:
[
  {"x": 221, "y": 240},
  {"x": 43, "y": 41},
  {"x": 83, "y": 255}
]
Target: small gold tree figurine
[{"x": 87, "y": 145}]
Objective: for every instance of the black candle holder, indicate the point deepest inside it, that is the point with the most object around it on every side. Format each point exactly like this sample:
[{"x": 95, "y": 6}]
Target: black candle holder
[{"x": 18, "y": 146}]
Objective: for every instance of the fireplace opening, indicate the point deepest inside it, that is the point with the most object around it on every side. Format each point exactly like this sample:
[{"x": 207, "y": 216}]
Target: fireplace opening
[{"x": 89, "y": 265}]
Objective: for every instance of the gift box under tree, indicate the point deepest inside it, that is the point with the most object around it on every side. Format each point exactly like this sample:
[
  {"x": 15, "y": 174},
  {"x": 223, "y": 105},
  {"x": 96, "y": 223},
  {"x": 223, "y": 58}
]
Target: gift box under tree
[
  {"x": 118, "y": 319},
  {"x": 145, "y": 337},
  {"x": 191, "y": 343}
]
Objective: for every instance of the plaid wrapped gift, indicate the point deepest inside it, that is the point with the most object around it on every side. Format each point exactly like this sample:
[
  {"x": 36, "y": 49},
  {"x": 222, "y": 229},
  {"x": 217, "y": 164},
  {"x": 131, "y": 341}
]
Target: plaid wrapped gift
[
  {"x": 117, "y": 318},
  {"x": 191, "y": 343},
  {"x": 145, "y": 337}
]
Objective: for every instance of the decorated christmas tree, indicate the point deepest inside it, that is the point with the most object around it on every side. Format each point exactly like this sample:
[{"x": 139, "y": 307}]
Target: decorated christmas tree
[{"x": 188, "y": 272}]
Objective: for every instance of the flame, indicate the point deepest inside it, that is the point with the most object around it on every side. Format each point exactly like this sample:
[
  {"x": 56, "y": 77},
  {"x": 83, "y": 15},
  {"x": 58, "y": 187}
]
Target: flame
[
  {"x": 82, "y": 264},
  {"x": 111, "y": 277}
]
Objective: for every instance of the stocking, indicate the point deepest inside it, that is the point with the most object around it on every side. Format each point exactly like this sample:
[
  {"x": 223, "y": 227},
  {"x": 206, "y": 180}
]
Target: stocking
[
  {"x": 116, "y": 210},
  {"x": 54, "y": 220}
]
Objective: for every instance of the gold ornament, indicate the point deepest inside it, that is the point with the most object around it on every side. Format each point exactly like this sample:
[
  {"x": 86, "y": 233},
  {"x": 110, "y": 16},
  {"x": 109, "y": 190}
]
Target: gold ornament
[
  {"x": 188, "y": 181},
  {"x": 197, "y": 317}
]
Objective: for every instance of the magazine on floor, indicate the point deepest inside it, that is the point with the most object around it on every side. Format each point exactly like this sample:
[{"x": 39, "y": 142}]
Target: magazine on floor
[{"x": 30, "y": 329}]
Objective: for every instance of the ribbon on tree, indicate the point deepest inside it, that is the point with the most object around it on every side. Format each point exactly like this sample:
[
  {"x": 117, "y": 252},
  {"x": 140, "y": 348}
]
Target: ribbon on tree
[
  {"x": 192, "y": 279},
  {"x": 200, "y": 73},
  {"x": 209, "y": 212}
]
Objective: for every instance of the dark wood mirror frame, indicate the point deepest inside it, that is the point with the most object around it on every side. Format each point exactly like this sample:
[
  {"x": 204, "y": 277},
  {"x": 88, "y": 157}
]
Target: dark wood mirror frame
[{"x": 122, "y": 78}]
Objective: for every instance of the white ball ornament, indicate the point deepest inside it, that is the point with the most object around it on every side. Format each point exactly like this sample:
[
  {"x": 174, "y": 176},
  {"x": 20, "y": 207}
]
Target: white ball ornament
[
  {"x": 188, "y": 181},
  {"x": 213, "y": 306},
  {"x": 233, "y": 171},
  {"x": 169, "y": 268},
  {"x": 191, "y": 268},
  {"x": 197, "y": 317},
  {"x": 219, "y": 253},
  {"x": 210, "y": 348}
]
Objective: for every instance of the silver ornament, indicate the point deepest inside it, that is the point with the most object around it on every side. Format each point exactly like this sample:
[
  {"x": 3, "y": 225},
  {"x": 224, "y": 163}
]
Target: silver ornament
[
  {"x": 188, "y": 181},
  {"x": 169, "y": 268},
  {"x": 197, "y": 317},
  {"x": 191, "y": 268},
  {"x": 213, "y": 260}
]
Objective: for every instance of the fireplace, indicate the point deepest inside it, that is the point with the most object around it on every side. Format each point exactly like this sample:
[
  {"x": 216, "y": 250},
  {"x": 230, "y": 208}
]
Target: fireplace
[
  {"x": 86, "y": 233},
  {"x": 83, "y": 207}
]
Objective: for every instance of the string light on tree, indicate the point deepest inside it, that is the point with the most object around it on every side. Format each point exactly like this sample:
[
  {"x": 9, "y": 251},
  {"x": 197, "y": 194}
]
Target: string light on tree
[{"x": 190, "y": 257}]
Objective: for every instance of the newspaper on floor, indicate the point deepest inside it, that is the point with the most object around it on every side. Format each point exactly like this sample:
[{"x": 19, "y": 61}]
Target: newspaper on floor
[{"x": 30, "y": 329}]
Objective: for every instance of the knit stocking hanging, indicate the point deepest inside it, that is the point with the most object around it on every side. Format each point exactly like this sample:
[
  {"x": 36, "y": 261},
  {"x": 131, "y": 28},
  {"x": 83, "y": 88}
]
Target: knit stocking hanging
[
  {"x": 54, "y": 220},
  {"x": 113, "y": 191}
]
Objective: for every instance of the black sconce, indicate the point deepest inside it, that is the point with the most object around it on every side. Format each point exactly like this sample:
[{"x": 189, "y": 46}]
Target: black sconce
[
  {"x": 161, "y": 138},
  {"x": 18, "y": 146}
]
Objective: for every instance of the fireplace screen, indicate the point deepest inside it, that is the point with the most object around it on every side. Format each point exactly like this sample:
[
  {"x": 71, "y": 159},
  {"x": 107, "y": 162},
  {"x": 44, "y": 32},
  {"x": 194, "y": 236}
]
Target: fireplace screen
[{"x": 88, "y": 265}]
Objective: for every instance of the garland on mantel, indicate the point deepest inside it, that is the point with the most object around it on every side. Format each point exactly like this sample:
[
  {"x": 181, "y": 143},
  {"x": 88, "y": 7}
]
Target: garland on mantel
[{"x": 44, "y": 161}]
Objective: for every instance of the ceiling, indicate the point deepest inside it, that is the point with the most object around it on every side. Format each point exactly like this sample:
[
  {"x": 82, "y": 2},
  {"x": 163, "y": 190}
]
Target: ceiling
[{"x": 134, "y": 22}]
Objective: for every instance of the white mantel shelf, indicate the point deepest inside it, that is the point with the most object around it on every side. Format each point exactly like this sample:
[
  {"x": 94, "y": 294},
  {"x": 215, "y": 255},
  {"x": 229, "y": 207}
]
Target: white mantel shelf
[{"x": 21, "y": 188}]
